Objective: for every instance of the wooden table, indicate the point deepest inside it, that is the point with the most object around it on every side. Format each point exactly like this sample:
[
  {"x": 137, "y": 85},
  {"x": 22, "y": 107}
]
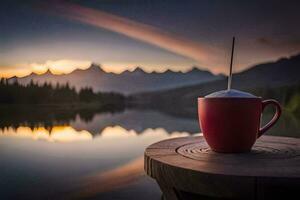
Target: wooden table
[{"x": 186, "y": 168}]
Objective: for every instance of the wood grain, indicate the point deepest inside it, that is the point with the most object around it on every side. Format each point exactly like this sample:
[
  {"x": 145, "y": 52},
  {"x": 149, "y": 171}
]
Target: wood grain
[{"x": 187, "y": 168}]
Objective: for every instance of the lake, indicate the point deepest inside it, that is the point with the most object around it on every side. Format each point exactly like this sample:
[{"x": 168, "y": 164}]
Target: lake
[{"x": 61, "y": 154}]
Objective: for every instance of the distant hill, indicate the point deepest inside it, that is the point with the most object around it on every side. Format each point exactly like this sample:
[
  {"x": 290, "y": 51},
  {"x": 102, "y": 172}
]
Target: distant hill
[
  {"x": 283, "y": 72},
  {"x": 127, "y": 82}
]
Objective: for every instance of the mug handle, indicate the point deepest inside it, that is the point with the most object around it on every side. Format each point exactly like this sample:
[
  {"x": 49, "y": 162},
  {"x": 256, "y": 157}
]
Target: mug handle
[{"x": 275, "y": 117}]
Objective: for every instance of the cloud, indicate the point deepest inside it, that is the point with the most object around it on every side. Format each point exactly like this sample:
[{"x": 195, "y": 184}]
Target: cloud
[
  {"x": 264, "y": 41},
  {"x": 205, "y": 55},
  {"x": 288, "y": 43}
]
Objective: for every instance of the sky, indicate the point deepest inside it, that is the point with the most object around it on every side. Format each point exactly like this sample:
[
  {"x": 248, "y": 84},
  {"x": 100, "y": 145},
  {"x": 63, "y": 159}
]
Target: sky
[{"x": 155, "y": 35}]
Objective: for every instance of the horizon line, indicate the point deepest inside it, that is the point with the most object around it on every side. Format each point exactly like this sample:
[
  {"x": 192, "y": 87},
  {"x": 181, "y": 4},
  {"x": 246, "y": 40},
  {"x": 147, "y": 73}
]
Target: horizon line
[
  {"x": 150, "y": 72},
  {"x": 193, "y": 67}
]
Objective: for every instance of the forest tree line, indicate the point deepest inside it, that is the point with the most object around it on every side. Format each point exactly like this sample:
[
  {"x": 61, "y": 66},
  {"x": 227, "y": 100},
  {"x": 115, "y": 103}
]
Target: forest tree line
[{"x": 33, "y": 93}]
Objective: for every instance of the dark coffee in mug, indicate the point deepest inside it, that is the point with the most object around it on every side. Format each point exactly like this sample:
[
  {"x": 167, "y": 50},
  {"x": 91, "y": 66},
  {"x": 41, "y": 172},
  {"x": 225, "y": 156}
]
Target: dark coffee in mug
[{"x": 230, "y": 120}]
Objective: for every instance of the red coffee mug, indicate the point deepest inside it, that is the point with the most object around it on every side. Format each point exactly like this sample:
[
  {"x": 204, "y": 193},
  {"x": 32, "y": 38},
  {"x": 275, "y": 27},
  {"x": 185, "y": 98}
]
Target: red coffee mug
[{"x": 232, "y": 124}]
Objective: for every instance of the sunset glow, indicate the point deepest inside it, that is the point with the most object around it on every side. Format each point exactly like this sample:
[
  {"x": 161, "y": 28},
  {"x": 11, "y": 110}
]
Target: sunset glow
[
  {"x": 54, "y": 66},
  {"x": 59, "y": 66},
  {"x": 98, "y": 99},
  {"x": 146, "y": 33},
  {"x": 67, "y": 36},
  {"x": 57, "y": 134},
  {"x": 69, "y": 134}
]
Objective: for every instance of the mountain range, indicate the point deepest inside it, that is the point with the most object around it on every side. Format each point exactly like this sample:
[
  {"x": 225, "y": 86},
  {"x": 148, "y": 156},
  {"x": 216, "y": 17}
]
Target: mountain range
[
  {"x": 178, "y": 85},
  {"x": 270, "y": 75},
  {"x": 127, "y": 82}
]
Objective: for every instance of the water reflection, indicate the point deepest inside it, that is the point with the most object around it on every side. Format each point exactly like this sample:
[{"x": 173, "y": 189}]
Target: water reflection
[
  {"x": 136, "y": 120},
  {"x": 51, "y": 125},
  {"x": 109, "y": 165},
  {"x": 69, "y": 134},
  {"x": 46, "y": 116},
  {"x": 55, "y": 134},
  {"x": 111, "y": 180},
  {"x": 64, "y": 155}
]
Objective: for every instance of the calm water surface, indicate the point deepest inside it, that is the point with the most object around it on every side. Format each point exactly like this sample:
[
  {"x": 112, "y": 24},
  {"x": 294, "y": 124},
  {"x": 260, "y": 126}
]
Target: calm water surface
[{"x": 91, "y": 155}]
